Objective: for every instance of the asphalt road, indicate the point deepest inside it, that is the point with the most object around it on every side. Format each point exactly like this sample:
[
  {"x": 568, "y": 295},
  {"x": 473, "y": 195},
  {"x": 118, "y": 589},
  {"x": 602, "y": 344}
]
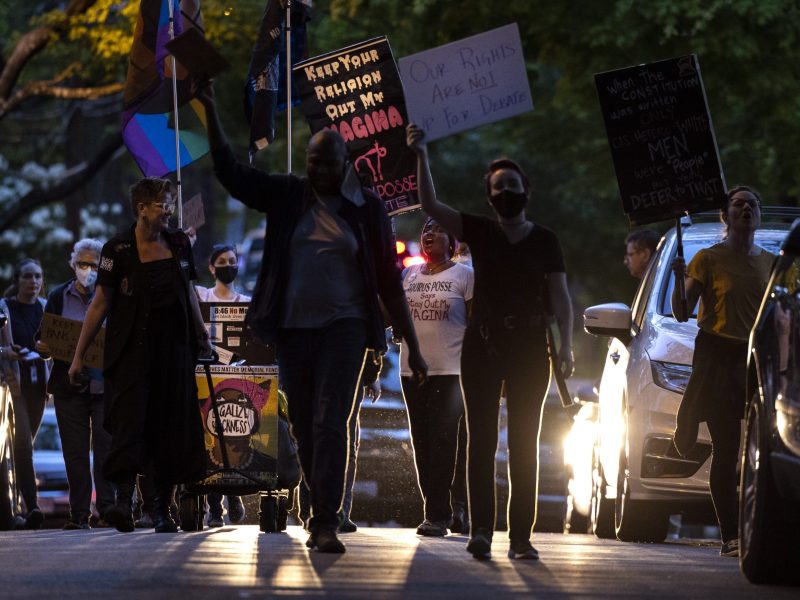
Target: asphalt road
[{"x": 241, "y": 562}]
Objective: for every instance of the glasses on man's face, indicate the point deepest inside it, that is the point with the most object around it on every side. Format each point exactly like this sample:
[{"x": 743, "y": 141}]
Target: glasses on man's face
[
  {"x": 86, "y": 265},
  {"x": 165, "y": 207}
]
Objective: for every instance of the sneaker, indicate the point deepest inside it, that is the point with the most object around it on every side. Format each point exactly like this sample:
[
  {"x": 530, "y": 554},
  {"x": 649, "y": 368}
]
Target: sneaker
[
  {"x": 480, "y": 545},
  {"x": 215, "y": 521},
  {"x": 730, "y": 548},
  {"x": 236, "y": 511},
  {"x": 76, "y": 525},
  {"x": 460, "y": 522},
  {"x": 144, "y": 522},
  {"x": 432, "y": 528},
  {"x": 347, "y": 526},
  {"x": 34, "y": 519},
  {"x": 327, "y": 542},
  {"x": 522, "y": 550}
]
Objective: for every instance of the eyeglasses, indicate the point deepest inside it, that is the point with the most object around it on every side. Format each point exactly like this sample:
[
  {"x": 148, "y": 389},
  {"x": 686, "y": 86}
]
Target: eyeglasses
[
  {"x": 86, "y": 265},
  {"x": 166, "y": 207}
]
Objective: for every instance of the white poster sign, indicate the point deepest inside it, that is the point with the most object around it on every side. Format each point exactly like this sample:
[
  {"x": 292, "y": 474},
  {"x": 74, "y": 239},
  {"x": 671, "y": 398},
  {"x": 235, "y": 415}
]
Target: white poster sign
[{"x": 464, "y": 84}]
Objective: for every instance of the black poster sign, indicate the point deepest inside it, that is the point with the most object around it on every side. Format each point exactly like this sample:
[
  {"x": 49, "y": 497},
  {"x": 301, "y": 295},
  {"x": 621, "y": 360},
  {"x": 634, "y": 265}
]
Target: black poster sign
[
  {"x": 357, "y": 91},
  {"x": 662, "y": 139},
  {"x": 227, "y": 333}
]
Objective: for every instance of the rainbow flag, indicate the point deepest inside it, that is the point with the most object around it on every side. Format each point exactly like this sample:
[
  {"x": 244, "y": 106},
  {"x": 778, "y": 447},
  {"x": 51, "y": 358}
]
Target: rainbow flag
[{"x": 148, "y": 127}]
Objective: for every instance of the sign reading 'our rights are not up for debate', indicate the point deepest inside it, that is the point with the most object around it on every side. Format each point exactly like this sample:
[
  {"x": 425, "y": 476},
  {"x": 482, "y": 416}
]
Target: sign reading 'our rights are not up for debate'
[{"x": 468, "y": 83}]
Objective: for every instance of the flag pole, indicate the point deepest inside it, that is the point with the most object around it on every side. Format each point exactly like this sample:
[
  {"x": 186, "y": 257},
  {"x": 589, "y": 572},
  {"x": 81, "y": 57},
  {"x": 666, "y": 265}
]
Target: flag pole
[
  {"x": 289, "y": 86},
  {"x": 175, "y": 113}
]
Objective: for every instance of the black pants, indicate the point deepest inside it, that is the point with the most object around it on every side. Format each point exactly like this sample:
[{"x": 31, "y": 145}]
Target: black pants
[
  {"x": 434, "y": 412},
  {"x": 80, "y": 424},
  {"x": 458, "y": 491},
  {"x": 518, "y": 357},
  {"x": 28, "y": 412},
  {"x": 319, "y": 370},
  {"x": 725, "y": 430}
]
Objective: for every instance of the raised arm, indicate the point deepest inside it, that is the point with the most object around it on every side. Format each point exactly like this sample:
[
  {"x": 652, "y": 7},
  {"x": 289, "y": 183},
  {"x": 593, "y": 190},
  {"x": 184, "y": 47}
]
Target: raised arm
[{"x": 445, "y": 215}]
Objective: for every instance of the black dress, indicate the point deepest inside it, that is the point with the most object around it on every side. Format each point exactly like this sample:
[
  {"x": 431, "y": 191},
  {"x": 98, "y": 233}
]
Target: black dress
[{"x": 154, "y": 417}]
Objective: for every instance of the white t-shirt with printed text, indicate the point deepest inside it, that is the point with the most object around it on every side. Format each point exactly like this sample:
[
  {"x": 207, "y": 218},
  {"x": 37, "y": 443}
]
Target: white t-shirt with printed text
[{"x": 437, "y": 304}]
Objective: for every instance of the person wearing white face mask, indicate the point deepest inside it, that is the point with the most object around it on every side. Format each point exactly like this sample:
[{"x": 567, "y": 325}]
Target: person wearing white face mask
[{"x": 79, "y": 409}]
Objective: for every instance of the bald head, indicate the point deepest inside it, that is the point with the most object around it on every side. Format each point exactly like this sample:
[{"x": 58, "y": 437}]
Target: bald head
[{"x": 326, "y": 159}]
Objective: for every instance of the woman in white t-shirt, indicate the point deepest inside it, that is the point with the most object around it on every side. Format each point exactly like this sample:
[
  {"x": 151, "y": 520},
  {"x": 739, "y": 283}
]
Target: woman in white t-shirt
[
  {"x": 438, "y": 294},
  {"x": 224, "y": 266}
]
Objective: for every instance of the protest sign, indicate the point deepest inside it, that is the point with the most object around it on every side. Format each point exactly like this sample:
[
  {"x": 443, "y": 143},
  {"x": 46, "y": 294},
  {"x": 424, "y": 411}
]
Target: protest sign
[
  {"x": 227, "y": 333},
  {"x": 194, "y": 214},
  {"x": 464, "y": 84},
  {"x": 61, "y": 336},
  {"x": 357, "y": 92},
  {"x": 662, "y": 140},
  {"x": 247, "y": 404}
]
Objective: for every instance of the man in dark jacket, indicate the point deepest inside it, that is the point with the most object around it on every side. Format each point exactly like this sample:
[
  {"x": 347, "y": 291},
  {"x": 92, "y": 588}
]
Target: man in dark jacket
[
  {"x": 328, "y": 256},
  {"x": 79, "y": 409}
]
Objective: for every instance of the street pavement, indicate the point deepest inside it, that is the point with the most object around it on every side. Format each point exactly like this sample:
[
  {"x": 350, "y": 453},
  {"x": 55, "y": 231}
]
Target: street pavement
[{"x": 242, "y": 562}]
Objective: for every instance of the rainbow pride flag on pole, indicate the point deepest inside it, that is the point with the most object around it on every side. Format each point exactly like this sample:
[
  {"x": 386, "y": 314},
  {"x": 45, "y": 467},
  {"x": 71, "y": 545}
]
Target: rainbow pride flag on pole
[{"x": 147, "y": 117}]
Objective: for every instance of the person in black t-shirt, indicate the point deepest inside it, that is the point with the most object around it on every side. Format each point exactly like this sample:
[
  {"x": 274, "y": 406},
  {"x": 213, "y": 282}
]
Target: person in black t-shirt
[
  {"x": 154, "y": 334},
  {"x": 519, "y": 279},
  {"x": 26, "y": 374}
]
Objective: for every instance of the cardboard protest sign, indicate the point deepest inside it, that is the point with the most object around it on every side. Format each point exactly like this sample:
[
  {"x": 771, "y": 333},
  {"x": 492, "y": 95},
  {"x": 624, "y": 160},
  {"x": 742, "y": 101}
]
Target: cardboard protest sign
[
  {"x": 464, "y": 84},
  {"x": 194, "y": 214},
  {"x": 662, "y": 140},
  {"x": 227, "y": 333},
  {"x": 62, "y": 334},
  {"x": 357, "y": 92},
  {"x": 247, "y": 404}
]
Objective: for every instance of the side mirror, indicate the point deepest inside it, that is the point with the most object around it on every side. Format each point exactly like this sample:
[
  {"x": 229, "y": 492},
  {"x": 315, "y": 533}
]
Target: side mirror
[{"x": 609, "y": 320}]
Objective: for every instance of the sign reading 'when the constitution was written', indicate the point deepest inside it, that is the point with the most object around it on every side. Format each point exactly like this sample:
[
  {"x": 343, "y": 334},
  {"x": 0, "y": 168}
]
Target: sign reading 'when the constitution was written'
[{"x": 662, "y": 139}]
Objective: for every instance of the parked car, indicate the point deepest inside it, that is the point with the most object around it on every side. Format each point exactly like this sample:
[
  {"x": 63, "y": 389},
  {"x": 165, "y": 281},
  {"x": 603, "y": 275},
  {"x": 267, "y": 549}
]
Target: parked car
[
  {"x": 51, "y": 473},
  {"x": 386, "y": 482},
  {"x": 769, "y": 494},
  {"x": 579, "y": 445},
  {"x": 639, "y": 479}
]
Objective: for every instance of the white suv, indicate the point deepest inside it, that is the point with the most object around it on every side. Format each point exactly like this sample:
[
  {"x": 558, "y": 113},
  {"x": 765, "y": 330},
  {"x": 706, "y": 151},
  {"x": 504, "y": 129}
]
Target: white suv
[{"x": 639, "y": 480}]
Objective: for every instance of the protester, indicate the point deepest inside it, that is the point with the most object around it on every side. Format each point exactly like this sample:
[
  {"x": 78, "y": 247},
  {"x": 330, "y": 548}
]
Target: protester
[
  {"x": 328, "y": 256},
  {"x": 439, "y": 293},
  {"x": 80, "y": 409},
  {"x": 462, "y": 254},
  {"x": 519, "y": 278},
  {"x": 153, "y": 337},
  {"x": 729, "y": 278},
  {"x": 224, "y": 266},
  {"x": 640, "y": 248},
  {"x": 26, "y": 374}
]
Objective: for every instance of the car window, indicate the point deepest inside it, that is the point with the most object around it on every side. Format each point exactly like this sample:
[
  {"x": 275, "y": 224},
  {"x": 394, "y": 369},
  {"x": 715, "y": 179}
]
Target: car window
[
  {"x": 690, "y": 248},
  {"x": 642, "y": 296}
]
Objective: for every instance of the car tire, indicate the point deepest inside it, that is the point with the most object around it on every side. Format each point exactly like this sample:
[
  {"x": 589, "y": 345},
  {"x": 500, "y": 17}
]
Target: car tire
[
  {"x": 601, "y": 517},
  {"x": 767, "y": 553},
  {"x": 636, "y": 520}
]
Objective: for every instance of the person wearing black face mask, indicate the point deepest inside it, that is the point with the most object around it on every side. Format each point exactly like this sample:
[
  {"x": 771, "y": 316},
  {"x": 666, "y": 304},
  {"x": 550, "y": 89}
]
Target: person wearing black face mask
[
  {"x": 329, "y": 255},
  {"x": 520, "y": 278},
  {"x": 223, "y": 265}
]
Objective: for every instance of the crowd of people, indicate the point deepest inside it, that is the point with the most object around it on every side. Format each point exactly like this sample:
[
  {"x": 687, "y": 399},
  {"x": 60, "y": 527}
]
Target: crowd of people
[{"x": 471, "y": 321}]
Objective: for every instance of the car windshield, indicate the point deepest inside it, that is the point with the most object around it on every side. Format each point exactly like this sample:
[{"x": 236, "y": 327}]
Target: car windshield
[{"x": 690, "y": 248}]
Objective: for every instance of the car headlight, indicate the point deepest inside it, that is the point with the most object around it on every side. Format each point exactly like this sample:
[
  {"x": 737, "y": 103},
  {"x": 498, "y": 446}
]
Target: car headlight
[
  {"x": 788, "y": 421},
  {"x": 671, "y": 376}
]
